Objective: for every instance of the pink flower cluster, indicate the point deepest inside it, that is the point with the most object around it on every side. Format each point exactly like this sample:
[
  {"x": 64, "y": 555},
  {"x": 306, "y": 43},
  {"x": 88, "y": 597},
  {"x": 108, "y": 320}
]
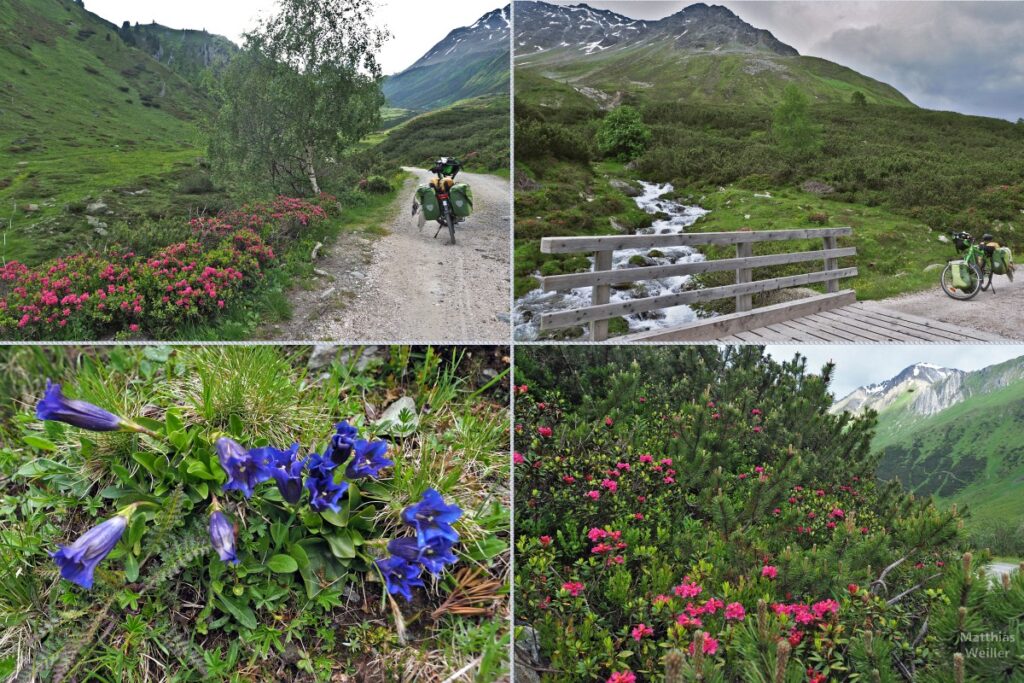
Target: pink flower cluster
[
  {"x": 98, "y": 294},
  {"x": 257, "y": 216}
]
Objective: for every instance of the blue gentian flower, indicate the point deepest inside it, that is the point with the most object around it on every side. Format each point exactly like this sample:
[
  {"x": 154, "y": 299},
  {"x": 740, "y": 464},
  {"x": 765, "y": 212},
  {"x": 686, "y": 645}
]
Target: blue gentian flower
[
  {"x": 222, "y": 536},
  {"x": 433, "y": 555},
  {"x": 369, "y": 459},
  {"x": 432, "y": 518},
  {"x": 287, "y": 471},
  {"x": 324, "y": 492},
  {"x": 400, "y": 576},
  {"x": 342, "y": 443},
  {"x": 54, "y": 406},
  {"x": 78, "y": 561},
  {"x": 245, "y": 468}
]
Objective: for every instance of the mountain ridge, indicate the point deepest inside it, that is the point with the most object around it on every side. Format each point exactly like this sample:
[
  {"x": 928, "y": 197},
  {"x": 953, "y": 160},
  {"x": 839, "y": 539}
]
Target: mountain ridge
[
  {"x": 471, "y": 61},
  {"x": 703, "y": 54}
]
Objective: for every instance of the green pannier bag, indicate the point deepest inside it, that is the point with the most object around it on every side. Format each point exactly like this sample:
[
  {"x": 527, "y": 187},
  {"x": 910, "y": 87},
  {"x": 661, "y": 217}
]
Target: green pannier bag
[
  {"x": 427, "y": 200},
  {"x": 462, "y": 199},
  {"x": 963, "y": 276},
  {"x": 1002, "y": 261}
]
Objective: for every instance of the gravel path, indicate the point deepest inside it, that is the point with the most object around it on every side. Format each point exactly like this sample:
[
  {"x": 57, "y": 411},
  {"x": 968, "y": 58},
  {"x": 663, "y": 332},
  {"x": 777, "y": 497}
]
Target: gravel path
[
  {"x": 417, "y": 288},
  {"x": 1001, "y": 313}
]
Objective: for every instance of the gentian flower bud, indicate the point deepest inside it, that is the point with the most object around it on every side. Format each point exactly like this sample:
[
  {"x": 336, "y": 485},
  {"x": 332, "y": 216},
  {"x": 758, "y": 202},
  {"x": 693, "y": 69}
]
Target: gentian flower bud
[
  {"x": 222, "y": 536},
  {"x": 78, "y": 561},
  {"x": 54, "y": 406}
]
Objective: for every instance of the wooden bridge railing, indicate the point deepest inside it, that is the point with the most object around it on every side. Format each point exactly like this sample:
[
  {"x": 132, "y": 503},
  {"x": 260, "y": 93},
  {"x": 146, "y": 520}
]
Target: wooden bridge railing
[{"x": 603, "y": 276}]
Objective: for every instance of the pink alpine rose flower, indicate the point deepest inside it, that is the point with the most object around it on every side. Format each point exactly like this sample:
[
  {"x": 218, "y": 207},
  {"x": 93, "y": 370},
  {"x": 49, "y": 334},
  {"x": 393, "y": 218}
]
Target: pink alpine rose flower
[
  {"x": 734, "y": 611},
  {"x": 622, "y": 677},
  {"x": 641, "y": 630}
]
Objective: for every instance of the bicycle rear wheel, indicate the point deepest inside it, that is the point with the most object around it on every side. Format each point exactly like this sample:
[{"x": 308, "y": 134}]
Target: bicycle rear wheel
[
  {"x": 451, "y": 228},
  {"x": 961, "y": 293}
]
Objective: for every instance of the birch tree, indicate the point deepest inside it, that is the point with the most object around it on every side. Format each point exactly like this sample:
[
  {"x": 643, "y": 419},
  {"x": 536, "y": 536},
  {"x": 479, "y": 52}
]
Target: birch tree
[{"x": 303, "y": 90}]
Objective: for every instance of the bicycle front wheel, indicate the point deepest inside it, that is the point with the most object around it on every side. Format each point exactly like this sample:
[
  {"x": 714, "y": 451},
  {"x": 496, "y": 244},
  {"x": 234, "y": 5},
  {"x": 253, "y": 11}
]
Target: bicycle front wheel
[{"x": 961, "y": 291}]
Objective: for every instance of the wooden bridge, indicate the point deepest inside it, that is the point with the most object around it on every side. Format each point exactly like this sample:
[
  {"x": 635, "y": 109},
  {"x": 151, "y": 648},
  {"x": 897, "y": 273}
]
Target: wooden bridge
[{"x": 831, "y": 317}]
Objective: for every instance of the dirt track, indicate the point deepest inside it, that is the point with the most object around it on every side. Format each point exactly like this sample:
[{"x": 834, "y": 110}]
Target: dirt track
[
  {"x": 408, "y": 286},
  {"x": 1001, "y": 313}
]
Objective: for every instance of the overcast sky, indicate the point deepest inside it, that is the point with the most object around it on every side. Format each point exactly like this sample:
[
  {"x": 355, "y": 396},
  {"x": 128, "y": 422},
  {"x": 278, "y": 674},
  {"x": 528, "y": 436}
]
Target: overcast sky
[
  {"x": 957, "y": 56},
  {"x": 858, "y": 366},
  {"x": 415, "y": 26}
]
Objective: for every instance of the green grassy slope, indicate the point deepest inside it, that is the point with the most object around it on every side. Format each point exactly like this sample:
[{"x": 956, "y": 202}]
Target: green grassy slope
[
  {"x": 475, "y": 131},
  {"x": 650, "y": 72},
  {"x": 84, "y": 117},
  {"x": 439, "y": 85},
  {"x": 970, "y": 454}
]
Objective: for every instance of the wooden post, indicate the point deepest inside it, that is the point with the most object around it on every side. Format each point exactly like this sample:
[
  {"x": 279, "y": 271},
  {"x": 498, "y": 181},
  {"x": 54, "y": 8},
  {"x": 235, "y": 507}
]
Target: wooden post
[
  {"x": 832, "y": 286},
  {"x": 601, "y": 294},
  {"x": 744, "y": 302}
]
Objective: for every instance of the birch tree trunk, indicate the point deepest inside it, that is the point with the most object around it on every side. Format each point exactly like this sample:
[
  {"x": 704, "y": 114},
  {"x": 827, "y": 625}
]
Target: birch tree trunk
[{"x": 311, "y": 171}]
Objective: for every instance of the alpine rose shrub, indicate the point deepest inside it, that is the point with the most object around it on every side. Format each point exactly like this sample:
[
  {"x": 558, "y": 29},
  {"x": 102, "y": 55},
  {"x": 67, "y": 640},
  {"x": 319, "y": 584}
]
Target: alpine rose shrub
[
  {"x": 720, "y": 544},
  {"x": 122, "y": 293}
]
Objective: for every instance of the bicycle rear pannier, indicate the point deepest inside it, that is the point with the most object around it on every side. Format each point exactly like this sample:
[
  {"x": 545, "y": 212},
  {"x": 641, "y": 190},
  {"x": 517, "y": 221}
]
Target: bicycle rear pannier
[
  {"x": 429, "y": 205},
  {"x": 462, "y": 199},
  {"x": 1002, "y": 261},
  {"x": 963, "y": 276}
]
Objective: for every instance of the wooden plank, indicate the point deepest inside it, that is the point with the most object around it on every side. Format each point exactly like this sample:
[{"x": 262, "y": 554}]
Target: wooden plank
[
  {"x": 583, "y": 315},
  {"x": 744, "y": 251},
  {"x": 864, "y": 329},
  {"x": 920, "y": 332},
  {"x": 728, "y": 325},
  {"x": 894, "y": 332},
  {"x": 830, "y": 331},
  {"x": 569, "y": 245},
  {"x": 600, "y": 296},
  {"x": 850, "y": 329},
  {"x": 801, "y": 332},
  {"x": 553, "y": 283},
  {"x": 831, "y": 263},
  {"x": 937, "y": 325}
]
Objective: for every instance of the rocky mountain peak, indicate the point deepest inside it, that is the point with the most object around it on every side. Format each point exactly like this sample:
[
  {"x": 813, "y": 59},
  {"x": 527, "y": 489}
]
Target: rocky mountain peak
[
  {"x": 542, "y": 26},
  {"x": 488, "y": 35},
  {"x": 714, "y": 28}
]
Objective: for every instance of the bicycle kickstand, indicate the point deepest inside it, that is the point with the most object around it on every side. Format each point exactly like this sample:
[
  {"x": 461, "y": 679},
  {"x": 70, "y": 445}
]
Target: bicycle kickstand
[{"x": 439, "y": 227}]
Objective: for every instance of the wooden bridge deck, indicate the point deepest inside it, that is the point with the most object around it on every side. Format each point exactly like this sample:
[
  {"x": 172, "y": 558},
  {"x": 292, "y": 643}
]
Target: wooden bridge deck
[{"x": 861, "y": 323}]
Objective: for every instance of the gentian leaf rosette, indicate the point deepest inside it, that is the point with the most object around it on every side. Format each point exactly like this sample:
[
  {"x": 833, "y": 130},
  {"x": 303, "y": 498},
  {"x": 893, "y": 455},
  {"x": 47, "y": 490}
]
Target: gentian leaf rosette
[
  {"x": 55, "y": 406},
  {"x": 342, "y": 443},
  {"x": 368, "y": 460},
  {"x": 222, "y": 537},
  {"x": 324, "y": 492},
  {"x": 78, "y": 561},
  {"x": 432, "y": 518},
  {"x": 400, "y": 576},
  {"x": 245, "y": 469},
  {"x": 433, "y": 555},
  {"x": 286, "y": 469}
]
